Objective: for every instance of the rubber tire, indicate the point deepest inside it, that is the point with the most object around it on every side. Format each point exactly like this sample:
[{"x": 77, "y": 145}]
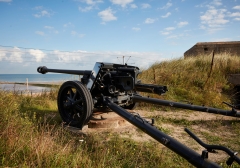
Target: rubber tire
[{"x": 73, "y": 116}]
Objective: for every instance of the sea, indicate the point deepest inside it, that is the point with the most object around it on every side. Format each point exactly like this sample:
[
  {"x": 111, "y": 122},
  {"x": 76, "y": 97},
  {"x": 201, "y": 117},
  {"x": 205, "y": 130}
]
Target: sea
[
  {"x": 37, "y": 78},
  {"x": 8, "y": 81}
]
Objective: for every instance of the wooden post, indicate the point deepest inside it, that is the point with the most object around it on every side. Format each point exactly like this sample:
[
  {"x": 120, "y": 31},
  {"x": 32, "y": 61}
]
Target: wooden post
[{"x": 27, "y": 84}]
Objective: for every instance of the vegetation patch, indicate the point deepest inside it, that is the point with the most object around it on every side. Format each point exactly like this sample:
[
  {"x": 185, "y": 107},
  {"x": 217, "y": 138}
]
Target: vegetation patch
[{"x": 191, "y": 79}]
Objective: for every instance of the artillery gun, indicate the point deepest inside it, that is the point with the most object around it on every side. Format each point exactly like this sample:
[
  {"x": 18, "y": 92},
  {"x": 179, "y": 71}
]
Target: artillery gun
[{"x": 116, "y": 87}]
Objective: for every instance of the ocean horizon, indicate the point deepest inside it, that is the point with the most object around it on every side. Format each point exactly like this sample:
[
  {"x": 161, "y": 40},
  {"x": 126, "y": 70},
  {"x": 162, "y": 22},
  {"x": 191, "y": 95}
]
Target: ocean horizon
[{"x": 36, "y": 78}]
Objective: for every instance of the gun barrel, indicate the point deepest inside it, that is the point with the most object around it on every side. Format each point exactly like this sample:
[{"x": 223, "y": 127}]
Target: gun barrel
[{"x": 44, "y": 69}]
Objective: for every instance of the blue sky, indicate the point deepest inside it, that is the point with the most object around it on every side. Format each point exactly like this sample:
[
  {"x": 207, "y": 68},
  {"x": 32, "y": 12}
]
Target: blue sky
[{"x": 74, "y": 34}]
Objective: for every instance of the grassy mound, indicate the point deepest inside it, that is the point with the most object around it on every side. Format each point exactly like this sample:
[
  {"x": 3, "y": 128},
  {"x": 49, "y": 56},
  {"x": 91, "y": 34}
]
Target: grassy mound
[{"x": 199, "y": 80}]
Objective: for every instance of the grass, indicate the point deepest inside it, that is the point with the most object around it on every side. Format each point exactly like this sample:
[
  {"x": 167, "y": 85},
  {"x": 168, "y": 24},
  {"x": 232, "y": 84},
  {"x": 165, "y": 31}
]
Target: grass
[
  {"x": 29, "y": 138},
  {"x": 32, "y": 134},
  {"x": 189, "y": 80}
]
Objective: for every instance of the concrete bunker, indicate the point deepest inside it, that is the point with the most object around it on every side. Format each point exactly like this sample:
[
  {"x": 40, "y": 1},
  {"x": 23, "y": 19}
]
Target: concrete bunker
[{"x": 206, "y": 48}]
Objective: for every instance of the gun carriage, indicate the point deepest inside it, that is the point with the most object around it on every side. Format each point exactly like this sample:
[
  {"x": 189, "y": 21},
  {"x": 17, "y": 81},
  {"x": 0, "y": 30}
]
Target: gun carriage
[{"x": 116, "y": 87}]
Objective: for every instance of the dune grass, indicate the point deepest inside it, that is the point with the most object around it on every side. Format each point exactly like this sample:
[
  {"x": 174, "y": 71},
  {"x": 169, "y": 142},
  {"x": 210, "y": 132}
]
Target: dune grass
[{"x": 190, "y": 80}]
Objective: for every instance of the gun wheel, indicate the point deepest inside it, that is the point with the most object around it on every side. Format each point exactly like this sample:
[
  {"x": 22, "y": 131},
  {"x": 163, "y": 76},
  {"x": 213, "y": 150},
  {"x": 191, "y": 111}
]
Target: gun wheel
[{"x": 75, "y": 104}]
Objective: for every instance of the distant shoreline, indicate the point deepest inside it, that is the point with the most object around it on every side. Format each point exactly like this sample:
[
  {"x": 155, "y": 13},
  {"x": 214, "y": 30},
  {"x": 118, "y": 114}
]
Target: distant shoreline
[
  {"x": 45, "y": 84},
  {"x": 35, "y": 78},
  {"x": 30, "y": 88}
]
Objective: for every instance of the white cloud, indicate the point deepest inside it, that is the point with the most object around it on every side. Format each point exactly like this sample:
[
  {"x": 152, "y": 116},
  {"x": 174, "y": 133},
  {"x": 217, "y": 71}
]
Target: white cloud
[
  {"x": 92, "y": 2},
  {"x": 67, "y": 57},
  {"x": 170, "y": 28},
  {"x": 167, "y": 14},
  {"x": 175, "y": 36},
  {"x": 136, "y": 28},
  {"x": 42, "y": 12},
  {"x": 165, "y": 33},
  {"x": 122, "y": 3},
  {"x": 77, "y": 58},
  {"x": 74, "y": 33},
  {"x": 236, "y": 7},
  {"x": 69, "y": 24},
  {"x": 213, "y": 19},
  {"x": 149, "y": 20},
  {"x": 49, "y": 27},
  {"x": 38, "y": 54},
  {"x": 107, "y": 15},
  {"x": 238, "y": 19},
  {"x": 216, "y": 2},
  {"x": 133, "y": 6},
  {"x": 40, "y": 33},
  {"x": 212, "y": 4},
  {"x": 15, "y": 55},
  {"x": 5, "y": 0},
  {"x": 145, "y": 5},
  {"x": 168, "y": 5},
  {"x": 45, "y": 13},
  {"x": 85, "y": 9},
  {"x": 235, "y": 14},
  {"x": 181, "y": 24},
  {"x": 50, "y": 30},
  {"x": 2, "y": 55},
  {"x": 138, "y": 58}
]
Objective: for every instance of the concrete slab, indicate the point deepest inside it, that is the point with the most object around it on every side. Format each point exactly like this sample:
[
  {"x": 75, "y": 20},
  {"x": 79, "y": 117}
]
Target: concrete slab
[
  {"x": 234, "y": 79},
  {"x": 106, "y": 120}
]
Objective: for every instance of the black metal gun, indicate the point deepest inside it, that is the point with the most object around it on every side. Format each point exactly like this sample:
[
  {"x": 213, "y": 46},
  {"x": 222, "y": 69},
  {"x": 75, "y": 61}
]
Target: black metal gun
[{"x": 116, "y": 87}]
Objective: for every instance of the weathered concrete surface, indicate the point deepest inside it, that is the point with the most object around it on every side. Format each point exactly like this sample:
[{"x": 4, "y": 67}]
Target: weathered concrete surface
[
  {"x": 106, "y": 120},
  {"x": 206, "y": 48},
  {"x": 234, "y": 79}
]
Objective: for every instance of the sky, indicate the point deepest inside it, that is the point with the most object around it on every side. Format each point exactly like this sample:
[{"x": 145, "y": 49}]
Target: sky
[{"x": 74, "y": 34}]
